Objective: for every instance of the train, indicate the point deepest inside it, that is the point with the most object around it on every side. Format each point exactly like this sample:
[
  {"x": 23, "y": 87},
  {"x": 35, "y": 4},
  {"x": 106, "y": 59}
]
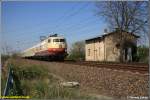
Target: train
[{"x": 53, "y": 47}]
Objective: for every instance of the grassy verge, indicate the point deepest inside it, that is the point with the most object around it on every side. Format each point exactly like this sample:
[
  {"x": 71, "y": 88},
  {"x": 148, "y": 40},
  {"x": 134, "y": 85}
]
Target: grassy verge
[
  {"x": 35, "y": 81},
  {"x": 3, "y": 82},
  {"x": 4, "y": 71}
]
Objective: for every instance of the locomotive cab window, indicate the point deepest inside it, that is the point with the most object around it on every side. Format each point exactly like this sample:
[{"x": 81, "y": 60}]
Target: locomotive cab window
[
  {"x": 62, "y": 40},
  {"x": 59, "y": 40},
  {"x": 56, "y": 40}
]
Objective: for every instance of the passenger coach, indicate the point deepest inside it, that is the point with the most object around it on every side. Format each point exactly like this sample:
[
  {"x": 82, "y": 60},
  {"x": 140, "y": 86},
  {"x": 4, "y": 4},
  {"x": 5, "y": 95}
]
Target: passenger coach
[{"x": 52, "y": 48}]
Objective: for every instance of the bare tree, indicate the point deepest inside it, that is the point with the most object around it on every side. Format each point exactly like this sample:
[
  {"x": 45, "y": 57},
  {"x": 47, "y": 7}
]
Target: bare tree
[{"x": 131, "y": 16}]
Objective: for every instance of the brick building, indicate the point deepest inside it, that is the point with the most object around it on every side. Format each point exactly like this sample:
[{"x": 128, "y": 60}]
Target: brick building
[{"x": 112, "y": 47}]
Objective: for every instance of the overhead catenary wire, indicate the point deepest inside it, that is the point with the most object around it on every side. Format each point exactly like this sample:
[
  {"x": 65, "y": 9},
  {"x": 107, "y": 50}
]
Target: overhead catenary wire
[
  {"x": 62, "y": 17},
  {"x": 72, "y": 15},
  {"x": 79, "y": 22},
  {"x": 72, "y": 8},
  {"x": 83, "y": 31},
  {"x": 81, "y": 25},
  {"x": 69, "y": 16}
]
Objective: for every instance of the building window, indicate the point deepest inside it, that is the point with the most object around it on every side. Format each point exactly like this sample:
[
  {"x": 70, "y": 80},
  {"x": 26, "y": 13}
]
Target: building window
[
  {"x": 88, "y": 52},
  {"x": 114, "y": 50}
]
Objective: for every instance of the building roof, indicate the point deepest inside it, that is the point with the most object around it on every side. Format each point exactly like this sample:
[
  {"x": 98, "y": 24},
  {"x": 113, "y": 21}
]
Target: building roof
[
  {"x": 94, "y": 38},
  {"x": 104, "y": 35}
]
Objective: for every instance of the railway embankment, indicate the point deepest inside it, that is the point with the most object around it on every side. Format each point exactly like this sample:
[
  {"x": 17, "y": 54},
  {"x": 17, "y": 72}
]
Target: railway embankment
[
  {"x": 36, "y": 81},
  {"x": 116, "y": 83}
]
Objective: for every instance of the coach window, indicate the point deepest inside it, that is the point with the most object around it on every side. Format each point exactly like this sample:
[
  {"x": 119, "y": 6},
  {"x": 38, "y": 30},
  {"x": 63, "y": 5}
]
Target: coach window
[
  {"x": 56, "y": 40},
  {"x": 88, "y": 52},
  {"x": 49, "y": 40}
]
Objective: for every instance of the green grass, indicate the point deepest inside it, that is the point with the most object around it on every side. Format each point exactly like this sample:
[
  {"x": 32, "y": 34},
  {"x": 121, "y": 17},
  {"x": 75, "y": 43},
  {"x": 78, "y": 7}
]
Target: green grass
[
  {"x": 4, "y": 73},
  {"x": 29, "y": 73},
  {"x": 36, "y": 82},
  {"x": 3, "y": 82}
]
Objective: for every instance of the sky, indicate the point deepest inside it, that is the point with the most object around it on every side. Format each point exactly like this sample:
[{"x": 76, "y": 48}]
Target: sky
[{"x": 24, "y": 22}]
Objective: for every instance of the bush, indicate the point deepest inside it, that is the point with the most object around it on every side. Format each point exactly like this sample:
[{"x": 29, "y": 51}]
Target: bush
[
  {"x": 77, "y": 51},
  {"x": 143, "y": 54}
]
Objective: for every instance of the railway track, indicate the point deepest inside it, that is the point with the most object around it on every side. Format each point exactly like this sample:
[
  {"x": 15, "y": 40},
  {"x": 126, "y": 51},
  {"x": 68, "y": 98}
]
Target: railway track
[{"x": 133, "y": 67}]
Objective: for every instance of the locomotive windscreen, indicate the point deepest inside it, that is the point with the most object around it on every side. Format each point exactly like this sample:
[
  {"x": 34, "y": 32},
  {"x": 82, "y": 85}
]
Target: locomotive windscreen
[{"x": 59, "y": 40}]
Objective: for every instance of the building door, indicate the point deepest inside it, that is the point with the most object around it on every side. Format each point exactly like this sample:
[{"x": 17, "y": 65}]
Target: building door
[{"x": 127, "y": 54}]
